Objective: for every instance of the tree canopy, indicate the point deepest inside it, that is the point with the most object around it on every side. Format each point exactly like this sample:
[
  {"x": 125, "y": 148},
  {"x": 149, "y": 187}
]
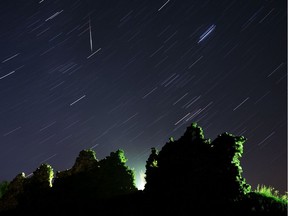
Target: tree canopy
[{"x": 187, "y": 175}]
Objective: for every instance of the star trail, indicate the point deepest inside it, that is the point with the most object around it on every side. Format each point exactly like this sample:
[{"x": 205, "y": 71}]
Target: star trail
[{"x": 130, "y": 74}]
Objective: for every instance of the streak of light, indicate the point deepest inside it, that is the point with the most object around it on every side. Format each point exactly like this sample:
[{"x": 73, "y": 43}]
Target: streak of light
[
  {"x": 157, "y": 120},
  {"x": 170, "y": 37},
  {"x": 195, "y": 114},
  {"x": 90, "y": 34},
  {"x": 56, "y": 86},
  {"x": 30, "y": 174},
  {"x": 48, "y": 138},
  {"x": 182, "y": 118},
  {"x": 207, "y": 105},
  {"x": 275, "y": 69},
  {"x": 163, "y": 5},
  {"x": 192, "y": 101},
  {"x": 266, "y": 138},
  {"x": 104, "y": 133},
  {"x": 240, "y": 104},
  {"x": 126, "y": 16},
  {"x": 69, "y": 68},
  {"x": 201, "y": 117},
  {"x": 180, "y": 99},
  {"x": 37, "y": 27},
  {"x": 156, "y": 51},
  {"x": 172, "y": 80},
  {"x": 72, "y": 30},
  {"x": 48, "y": 158},
  {"x": 266, "y": 15},
  {"x": 173, "y": 44},
  {"x": 33, "y": 23},
  {"x": 70, "y": 125},
  {"x": 149, "y": 93},
  {"x": 206, "y": 33},
  {"x": 48, "y": 50},
  {"x": 42, "y": 32},
  {"x": 49, "y": 125},
  {"x": 54, "y": 15},
  {"x": 262, "y": 97},
  {"x": 77, "y": 100},
  {"x": 279, "y": 80},
  {"x": 19, "y": 68},
  {"x": 10, "y": 132},
  {"x": 7, "y": 75},
  {"x": 162, "y": 32},
  {"x": 53, "y": 38},
  {"x": 65, "y": 138},
  {"x": 251, "y": 19},
  {"x": 93, "y": 53},
  {"x": 161, "y": 61},
  {"x": 10, "y": 58},
  {"x": 94, "y": 146},
  {"x": 230, "y": 51},
  {"x": 138, "y": 135},
  {"x": 195, "y": 62},
  {"x": 130, "y": 118},
  {"x": 75, "y": 70},
  {"x": 168, "y": 79}
]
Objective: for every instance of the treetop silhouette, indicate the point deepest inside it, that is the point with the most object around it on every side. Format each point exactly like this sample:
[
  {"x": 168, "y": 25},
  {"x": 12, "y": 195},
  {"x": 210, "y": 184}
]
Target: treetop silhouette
[{"x": 188, "y": 175}]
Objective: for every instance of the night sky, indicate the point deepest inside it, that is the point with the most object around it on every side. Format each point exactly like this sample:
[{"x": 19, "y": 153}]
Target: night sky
[{"x": 110, "y": 74}]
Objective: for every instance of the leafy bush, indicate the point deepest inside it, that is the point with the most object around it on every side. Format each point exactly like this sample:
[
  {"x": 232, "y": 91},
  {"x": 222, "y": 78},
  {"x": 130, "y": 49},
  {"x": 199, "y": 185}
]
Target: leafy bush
[{"x": 271, "y": 192}]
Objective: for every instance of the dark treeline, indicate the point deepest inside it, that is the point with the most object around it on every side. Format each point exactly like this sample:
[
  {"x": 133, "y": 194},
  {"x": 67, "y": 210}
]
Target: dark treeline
[{"x": 188, "y": 176}]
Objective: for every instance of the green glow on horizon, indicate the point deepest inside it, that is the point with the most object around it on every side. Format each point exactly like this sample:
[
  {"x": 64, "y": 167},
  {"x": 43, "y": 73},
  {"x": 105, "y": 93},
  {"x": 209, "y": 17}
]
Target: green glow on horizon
[{"x": 140, "y": 180}]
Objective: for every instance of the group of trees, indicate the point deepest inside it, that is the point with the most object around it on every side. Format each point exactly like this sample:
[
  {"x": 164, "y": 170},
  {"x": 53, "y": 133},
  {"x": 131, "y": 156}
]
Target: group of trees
[
  {"x": 88, "y": 179},
  {"x": 206, "y": 176},
  {"x": 195, "y": 161},
  {"x": 191, "y": 174}
]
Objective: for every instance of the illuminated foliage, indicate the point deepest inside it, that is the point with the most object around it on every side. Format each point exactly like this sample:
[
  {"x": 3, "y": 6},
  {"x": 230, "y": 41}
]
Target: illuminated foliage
[
  {"x": 272, "y": 193},
  {"x": 227, "y": 151},
  {"x": 43, "y": 176}
]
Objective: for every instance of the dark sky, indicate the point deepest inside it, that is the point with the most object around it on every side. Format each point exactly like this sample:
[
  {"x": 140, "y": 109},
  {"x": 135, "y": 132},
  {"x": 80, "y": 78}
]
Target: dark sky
[{"x": 110, "y": 74}]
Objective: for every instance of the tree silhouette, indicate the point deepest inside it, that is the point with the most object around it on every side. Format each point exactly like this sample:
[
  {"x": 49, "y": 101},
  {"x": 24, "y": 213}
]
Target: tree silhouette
[
  {"x": 192, "y": 167},
  {"x": 36, "y": 187},
  {"x": 90, "y": 179},
  {"x": 151, "y": 170},
  {"x": 3, "y": 187},
  {"x": 15, "y": 189},
  {"x": 227, "y": 151},
  {"x": 116, "y": 177},
  {"x": 191, "y": 175},
  {"x": 85, "y": 161},
  {"x": 42, "y": 177}
]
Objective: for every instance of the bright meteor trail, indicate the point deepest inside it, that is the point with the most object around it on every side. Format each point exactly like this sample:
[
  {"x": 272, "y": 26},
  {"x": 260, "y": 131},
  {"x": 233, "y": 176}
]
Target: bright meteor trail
[
  {"x": 206, "y": 33},
  {"x": 90, "y": 34}
]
